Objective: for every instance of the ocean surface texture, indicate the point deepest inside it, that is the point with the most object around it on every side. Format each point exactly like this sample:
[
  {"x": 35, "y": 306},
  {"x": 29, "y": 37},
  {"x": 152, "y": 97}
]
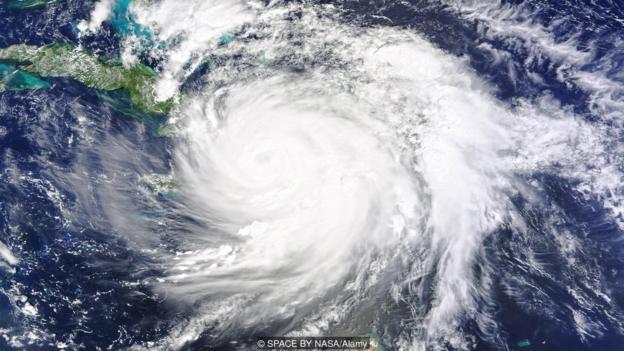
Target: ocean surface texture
[{"x": 194, "y": 174}]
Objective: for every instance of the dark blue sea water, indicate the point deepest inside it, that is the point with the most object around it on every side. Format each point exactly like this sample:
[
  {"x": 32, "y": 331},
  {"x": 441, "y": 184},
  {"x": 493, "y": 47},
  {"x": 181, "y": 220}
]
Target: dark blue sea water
[{"x": 63, "y": 149}]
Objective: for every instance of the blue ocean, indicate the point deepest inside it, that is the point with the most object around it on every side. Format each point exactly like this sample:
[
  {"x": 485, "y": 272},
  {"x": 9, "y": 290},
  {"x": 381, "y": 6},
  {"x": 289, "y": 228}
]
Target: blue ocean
[{"x": 432, "y": 174}]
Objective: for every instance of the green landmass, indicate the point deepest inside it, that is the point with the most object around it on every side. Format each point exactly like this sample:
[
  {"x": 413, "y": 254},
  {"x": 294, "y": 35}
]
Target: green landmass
[
  {"x": 164, "y": 185},
  {"x": 63, "y": 60},
  {"x": 166, "y": 130}
]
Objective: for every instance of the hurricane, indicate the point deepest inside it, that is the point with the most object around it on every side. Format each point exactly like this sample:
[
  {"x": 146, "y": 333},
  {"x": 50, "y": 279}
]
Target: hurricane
[{"x": 193, "y": 175}]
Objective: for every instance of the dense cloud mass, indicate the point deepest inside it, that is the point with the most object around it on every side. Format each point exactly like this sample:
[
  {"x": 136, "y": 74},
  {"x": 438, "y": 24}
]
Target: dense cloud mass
[{"x": 437, "y": 175}]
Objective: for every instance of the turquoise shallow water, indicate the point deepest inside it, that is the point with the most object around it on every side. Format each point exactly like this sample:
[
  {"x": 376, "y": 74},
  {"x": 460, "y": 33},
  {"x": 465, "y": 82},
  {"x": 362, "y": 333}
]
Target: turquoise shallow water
[
  {"x": 72, "y": 199},
  {"x": 15, "y": 79},
  {"x": 123, "y": 22}
]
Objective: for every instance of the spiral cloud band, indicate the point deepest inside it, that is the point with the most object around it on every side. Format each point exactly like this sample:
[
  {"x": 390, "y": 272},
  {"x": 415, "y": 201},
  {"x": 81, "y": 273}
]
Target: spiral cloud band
[
  {"x": 300, "y": 191},
  {"x": 326, "y": 166},
  {"x": 309, "y": 185}
]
